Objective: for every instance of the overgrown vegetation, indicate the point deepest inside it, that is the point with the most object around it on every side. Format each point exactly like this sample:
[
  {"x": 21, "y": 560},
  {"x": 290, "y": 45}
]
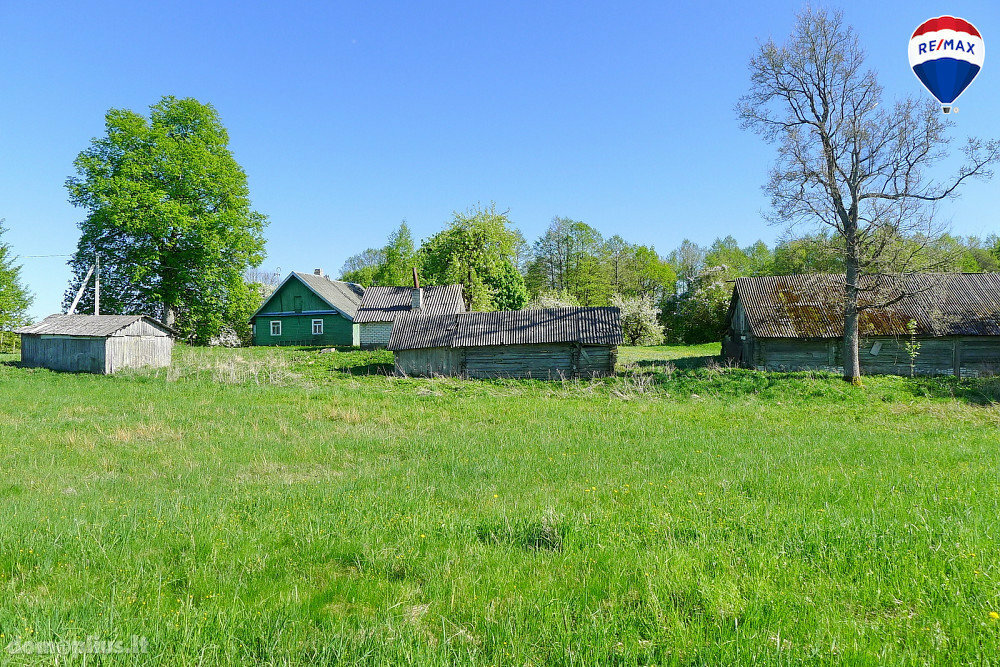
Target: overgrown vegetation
[
  {"x": 681, "y": 512},
  {"x": 15, "y": 299}
]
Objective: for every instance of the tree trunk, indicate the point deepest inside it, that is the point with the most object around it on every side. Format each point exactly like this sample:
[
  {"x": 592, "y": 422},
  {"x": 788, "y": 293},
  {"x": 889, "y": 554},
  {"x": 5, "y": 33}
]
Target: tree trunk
[
  {"x": 852, "y": 362},
  {"x": 169, "y": 315}
]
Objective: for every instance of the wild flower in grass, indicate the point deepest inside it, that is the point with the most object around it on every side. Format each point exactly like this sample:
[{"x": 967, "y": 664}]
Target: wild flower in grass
[{"x": 994, "y": 616}]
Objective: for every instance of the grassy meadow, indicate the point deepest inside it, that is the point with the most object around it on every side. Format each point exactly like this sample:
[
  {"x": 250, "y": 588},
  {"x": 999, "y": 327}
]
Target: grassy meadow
[{"x": 285, "y": 506}]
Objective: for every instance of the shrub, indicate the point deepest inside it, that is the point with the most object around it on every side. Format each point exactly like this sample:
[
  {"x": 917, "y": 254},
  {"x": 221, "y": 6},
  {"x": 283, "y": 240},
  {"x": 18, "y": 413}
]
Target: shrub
[{"x": 640, "y": 323}]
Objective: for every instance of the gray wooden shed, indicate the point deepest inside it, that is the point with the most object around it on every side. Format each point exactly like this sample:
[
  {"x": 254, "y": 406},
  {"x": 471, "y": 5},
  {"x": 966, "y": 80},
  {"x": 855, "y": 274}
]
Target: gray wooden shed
[
  {"x": 96, "y": 343},
  {"x": 550, "y": 343},
  {"x": 797, "y": 323}
]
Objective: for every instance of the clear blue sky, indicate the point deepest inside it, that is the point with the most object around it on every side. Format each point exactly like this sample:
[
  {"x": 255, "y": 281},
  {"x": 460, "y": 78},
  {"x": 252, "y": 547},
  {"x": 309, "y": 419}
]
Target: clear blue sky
[{"x": 349, "y": 117}]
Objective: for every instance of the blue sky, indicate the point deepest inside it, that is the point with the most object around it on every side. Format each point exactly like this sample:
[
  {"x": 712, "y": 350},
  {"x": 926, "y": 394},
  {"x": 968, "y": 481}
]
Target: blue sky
[{"x": 349, "y": 117}]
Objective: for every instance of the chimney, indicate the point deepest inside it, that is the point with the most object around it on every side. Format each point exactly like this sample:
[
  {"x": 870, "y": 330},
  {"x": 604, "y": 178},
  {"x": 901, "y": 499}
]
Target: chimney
[
  {"x": 418, "y": 294},
  {"x": 318, "y": 272}
]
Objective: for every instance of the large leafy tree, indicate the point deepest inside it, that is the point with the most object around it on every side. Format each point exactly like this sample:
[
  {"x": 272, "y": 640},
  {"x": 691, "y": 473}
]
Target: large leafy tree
[
  {"x": 168, "y": 209},
  {"x": 479, "y": 251},
  {"x": 14, "y": 296},
  {"x": 850, "y": 163}
]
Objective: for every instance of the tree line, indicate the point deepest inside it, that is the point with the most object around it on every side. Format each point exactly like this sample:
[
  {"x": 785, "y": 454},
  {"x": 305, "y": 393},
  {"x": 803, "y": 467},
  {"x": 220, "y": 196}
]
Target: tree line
[{"x": 685, "y": 293}]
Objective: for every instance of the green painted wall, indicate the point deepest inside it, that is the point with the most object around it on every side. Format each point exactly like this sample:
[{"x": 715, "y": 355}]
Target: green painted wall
[{"x": 296, "y": 329}]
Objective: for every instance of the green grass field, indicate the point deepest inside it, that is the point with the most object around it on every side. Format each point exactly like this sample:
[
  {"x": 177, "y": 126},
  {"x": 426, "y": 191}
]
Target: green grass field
[{"x": 285, "y": 506}]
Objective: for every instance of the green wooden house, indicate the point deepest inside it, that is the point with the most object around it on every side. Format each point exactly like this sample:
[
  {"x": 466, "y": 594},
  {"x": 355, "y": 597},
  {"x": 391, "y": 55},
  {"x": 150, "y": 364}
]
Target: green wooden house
[{"x": 308, "y": 309}]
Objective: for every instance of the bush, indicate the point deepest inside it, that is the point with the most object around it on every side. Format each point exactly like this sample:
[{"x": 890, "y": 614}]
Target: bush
[{"x": 640, "y": 323}]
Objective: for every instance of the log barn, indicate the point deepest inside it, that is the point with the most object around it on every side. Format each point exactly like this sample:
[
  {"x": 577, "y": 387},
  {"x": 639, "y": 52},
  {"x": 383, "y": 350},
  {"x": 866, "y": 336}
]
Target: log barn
[
  {"x": 797, "y": 323},
  {"x": 381, "y": 305},
  {"x": 552, "y": 343},
  {"x": 96, "y": 343}
]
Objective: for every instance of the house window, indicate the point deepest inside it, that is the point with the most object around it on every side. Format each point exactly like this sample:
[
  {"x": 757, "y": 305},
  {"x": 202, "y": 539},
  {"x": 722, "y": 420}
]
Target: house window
[
  {"x": 297, "y": 304},
  {"x": 253, "y": 328},
  {"x": 317, "y": 327},
  {"x": 275, "y": 327}
]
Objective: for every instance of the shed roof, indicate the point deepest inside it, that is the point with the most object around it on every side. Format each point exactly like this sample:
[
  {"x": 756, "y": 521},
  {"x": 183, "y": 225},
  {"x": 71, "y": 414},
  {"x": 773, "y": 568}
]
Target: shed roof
[
  {"x": 384, "y": 304},
  {"x": 587, "y": 326},
  {"x": 811, "y": 306},
  {"x": 88, "y": 325}
]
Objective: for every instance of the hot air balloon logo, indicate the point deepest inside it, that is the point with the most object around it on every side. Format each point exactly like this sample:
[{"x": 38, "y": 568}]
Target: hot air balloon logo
[{"x": 946, "y": 54}]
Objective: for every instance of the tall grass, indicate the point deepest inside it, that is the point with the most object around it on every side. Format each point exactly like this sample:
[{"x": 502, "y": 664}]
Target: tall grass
[{"x": 319, "y": 512}]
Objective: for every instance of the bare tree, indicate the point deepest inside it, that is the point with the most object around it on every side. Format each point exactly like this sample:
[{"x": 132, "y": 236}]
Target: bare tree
[{"x": 848, "y": 162}]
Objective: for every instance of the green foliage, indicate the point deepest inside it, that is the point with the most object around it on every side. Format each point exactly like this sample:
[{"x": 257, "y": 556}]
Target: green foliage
[
  {"x": 553, "y": 299},
  {"x": 391, "y": 265},
  {"x": 169, "y": 210},
  {"x": 507, "y": 287},
  {"x": 639, "y": 319},
  {"x": 820, "y": 252},
  {"x": 699, "y": 315},
  {"x": 912, "y": 345},
  {"x": 478, "y": 251},
  {"x": 572, "y": 257},
  {"x": 15, "y": 299},
  {"x": 363, "y": 267},
  {"x": 240, "y": 511}
]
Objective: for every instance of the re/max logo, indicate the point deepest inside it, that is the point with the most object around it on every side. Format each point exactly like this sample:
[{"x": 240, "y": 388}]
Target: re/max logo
[{"x": 949, "y": 44}]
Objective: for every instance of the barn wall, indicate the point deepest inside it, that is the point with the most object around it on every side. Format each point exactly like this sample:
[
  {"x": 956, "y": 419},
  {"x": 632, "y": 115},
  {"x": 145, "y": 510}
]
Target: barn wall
[
  {"x": 137, "y": 351},
  {"x": 375, "y": 334},
  {"x": 552, "y": 361},
  {"x": 975, "y": 355},
  {"x": 430, "y": 361},
  {"x": 63, "y": 353},
  {"x": 597, "y": 360}
]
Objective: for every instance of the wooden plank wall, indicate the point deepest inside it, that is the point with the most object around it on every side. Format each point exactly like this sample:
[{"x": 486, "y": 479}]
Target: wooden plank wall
[
  {"x": 63, "y": 353},
  {"x": 975, "y": 355},
  {"x": 137, "y": 351},
  {"x": 553, "y": 361}
]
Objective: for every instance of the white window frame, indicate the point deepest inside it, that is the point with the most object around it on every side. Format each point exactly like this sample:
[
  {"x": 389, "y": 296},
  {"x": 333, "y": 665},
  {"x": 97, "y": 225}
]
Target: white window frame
[
  {"x": 275, "y": 331},
  {"x": 315, "y": 332}
]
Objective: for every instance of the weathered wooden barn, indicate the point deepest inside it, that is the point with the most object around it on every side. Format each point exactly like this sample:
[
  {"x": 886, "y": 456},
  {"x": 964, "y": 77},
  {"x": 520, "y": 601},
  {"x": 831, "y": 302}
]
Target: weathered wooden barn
[
  {"x": 96, "y": 343},
  {"x": 380, "y": 306},
  {"x": 308, "y": 309},
  {"x": 797, "y": 323},
  {"x": 552, "y": 343}
]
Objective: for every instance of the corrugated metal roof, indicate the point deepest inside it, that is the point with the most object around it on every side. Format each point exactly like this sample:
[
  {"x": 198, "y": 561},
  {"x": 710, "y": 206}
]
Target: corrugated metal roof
[
  {"x": 86, "y": 325},
  {"x": 812, "y": 306},
  {"x": 345, "y": 297},
  {"x": 587, "y": 326},
  {"x": 383, "y": 304}
]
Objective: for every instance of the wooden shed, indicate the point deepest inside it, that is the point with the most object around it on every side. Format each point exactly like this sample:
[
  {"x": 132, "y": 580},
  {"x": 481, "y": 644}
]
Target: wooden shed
[
  {"x": 96, "y": 343},
  {"x": 797, "y": 323},
  {"x": 381, "y": 305},
  {"x": 552, "y": 343},
  {"x": 308, "y": 309}
]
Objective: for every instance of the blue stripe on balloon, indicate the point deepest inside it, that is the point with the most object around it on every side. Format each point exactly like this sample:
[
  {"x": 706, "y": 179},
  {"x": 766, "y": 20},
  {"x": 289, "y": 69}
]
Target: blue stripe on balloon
[{"x": 946, "y": 78}]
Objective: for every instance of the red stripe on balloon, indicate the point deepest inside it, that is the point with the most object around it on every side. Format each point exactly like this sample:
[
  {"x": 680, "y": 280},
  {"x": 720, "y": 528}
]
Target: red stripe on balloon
[{"x": 946, "y": 23}]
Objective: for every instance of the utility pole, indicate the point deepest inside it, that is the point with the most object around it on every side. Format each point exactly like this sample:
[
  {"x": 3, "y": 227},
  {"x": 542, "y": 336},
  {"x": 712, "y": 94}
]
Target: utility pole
[
  {"x": 97, "y": 286},
  {"x": 83, "y": 286}
]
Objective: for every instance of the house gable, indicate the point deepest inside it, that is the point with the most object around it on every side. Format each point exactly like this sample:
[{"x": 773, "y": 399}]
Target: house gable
[{"x": 294, "y": 297}]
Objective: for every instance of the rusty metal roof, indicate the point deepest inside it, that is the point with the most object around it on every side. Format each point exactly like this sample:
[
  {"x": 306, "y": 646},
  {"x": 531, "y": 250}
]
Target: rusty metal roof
[
  {"x": 87, "y": 325},
  {"x": 587, "y": 326},
  {"x": 384, "y": 304},
  {"x": 812, "y": 306}
]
